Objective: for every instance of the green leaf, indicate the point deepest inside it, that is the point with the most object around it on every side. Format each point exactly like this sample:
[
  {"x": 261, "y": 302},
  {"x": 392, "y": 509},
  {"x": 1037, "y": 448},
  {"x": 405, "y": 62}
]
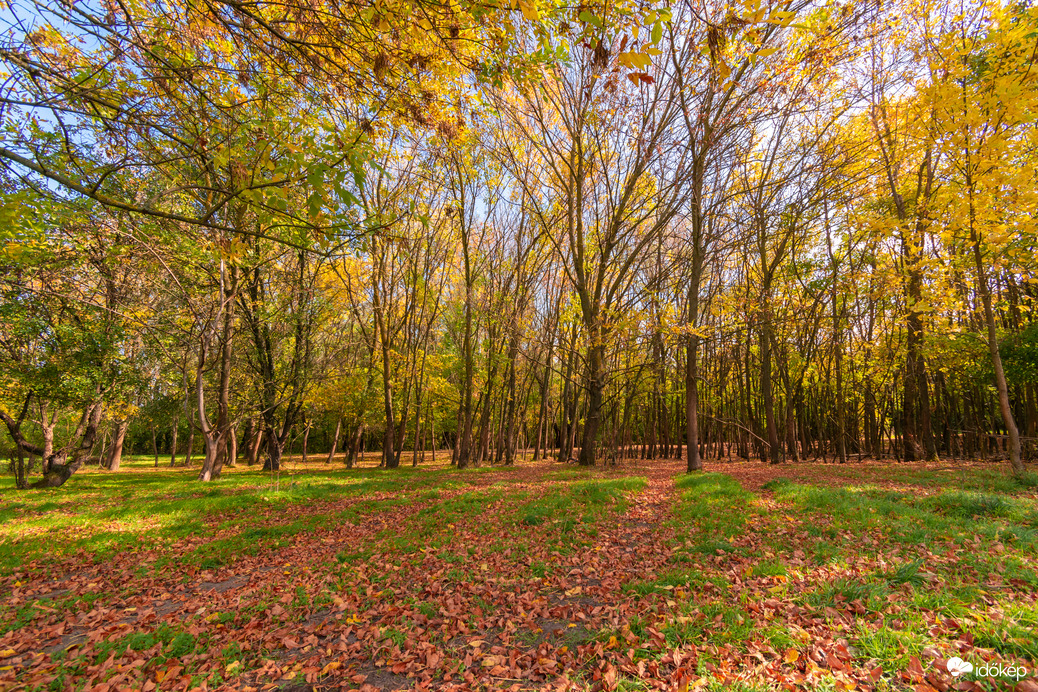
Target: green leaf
[{"x": 591, "y": 19}]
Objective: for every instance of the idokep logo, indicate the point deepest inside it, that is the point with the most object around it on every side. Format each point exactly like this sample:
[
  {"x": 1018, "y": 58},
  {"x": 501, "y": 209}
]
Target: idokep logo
[{"x": 956, "y": 666}]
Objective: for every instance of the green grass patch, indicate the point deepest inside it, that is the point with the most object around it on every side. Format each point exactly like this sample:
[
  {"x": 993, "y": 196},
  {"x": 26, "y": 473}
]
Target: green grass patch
[
  {"x": 843, "y": 591},
  {"x": 892, "y": 648},
  {"x": 100, "y": 514},
  {"x": 715, "y": 505}
]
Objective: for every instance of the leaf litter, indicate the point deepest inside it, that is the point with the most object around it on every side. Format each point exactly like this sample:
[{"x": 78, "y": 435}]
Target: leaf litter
[{"x": 634, "y": 591}]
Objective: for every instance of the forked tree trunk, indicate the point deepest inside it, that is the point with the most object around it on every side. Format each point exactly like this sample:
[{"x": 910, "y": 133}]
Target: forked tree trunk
[
  {"x": 115, "y": 453},
  {"x": 358, "y": 436},
  {"x": 59, "y": 468},
  {"x": 218, "y": 437},
  {"x": 275, "y": 447},
  {"x": 255, "y": 444}
]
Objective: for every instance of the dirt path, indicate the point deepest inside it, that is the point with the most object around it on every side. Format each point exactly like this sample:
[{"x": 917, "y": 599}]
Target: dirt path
[
  {"x": 506, "y": 627},
  {"x": 462, "y": 615}
]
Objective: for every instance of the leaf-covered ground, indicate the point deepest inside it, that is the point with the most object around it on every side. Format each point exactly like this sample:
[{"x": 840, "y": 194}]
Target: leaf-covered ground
[{"x": 867, "y": 576}]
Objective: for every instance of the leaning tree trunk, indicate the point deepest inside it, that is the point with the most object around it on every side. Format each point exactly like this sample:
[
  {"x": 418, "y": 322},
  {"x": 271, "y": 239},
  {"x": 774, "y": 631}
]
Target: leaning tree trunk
[
  {"x": 60, "y": 472},
  {"x": 1004, "y": 405},
  {"x": 335, "y": 440},
  {"x": 217, "y": 439},
  {"x": 232, "y": 448},
  {"x": 255, "y": 444}
]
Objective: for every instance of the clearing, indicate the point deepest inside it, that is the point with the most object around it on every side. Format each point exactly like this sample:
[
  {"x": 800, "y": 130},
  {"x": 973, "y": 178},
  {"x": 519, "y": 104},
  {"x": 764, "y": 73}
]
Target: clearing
[{"x": 868, "y": 576}]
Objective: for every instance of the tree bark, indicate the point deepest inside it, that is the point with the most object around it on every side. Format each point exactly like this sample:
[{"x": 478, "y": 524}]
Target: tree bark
[
  {"x": 358, "y": 435},
  {"x": 115, "y": 453},
  {"x": 217, "y": 438},
  {"x": 1004, "y": 405},
  {"x": 596, "y": 388},
  {"x": 174, "y": 432},
  {"x": 693, "y": 461},
  {"x": 335, "y": 440}
]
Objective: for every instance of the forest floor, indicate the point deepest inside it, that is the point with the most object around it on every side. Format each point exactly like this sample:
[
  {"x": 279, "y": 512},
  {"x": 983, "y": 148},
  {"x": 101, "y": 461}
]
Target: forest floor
[{"x": 868, "y": 576}]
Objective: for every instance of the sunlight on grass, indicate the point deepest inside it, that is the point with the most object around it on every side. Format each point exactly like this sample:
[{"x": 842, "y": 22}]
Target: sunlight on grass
[{"x": 98, "y": 512}]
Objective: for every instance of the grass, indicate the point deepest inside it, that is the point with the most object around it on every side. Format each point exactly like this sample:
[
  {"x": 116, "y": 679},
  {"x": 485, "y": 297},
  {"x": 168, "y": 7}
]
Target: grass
[
  {"x": 907, "y": 573},
  {"x": 717, "y": 623},
  {"x": 156, "y": 647},
  {"x": 97, "y": 514},
  {"x": 891, "y": 648},
  {"x": 581, "y": 501},
  {"x": 844, "y": 591},
  {"x": 910, "y": 520},
  {"x": 882, "y": 568},
  {"x": 984, "y": 479},
  {"x": 886, "y": 571},
  {"x": 716, "y": 509}
]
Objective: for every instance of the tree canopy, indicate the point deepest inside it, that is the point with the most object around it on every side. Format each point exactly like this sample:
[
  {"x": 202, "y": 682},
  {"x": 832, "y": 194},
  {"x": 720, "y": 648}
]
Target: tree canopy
[{"x": 774, "y": 229}]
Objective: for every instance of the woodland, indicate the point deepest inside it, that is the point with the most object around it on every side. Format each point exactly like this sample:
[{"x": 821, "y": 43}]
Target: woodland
[
  {"x": 780, "y": 232},
  {"x": 487, "y": 344}
]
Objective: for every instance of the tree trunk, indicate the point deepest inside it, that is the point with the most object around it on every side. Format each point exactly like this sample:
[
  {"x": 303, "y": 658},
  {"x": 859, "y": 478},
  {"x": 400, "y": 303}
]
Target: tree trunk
[
  {"x": 1004, "y": 405},
  {"x": 189, "y": 448},
  {"x": 115, "y": 454},
  {"x": 217, "y": 438},
  {"x": 567, "y": 409},
  {"x": 389, "y": 458},
  {"x": 174, "y": 431},
  {"x": 595, "y": 390},
  {"x": 59, "y": 469},
  {"x": 232, "y": 448},
  {"x": 509, "y": 441},
  {"x": 335, "y": 440},
  {"x": 255, "y": 444},
  {"x": 358, "y": 435},
  {"x": 767, "y": 393},
  {"x": 20, "y": 482},
  {"x": 694, "y": 462},
  {"x": 275, "y": 448}
]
